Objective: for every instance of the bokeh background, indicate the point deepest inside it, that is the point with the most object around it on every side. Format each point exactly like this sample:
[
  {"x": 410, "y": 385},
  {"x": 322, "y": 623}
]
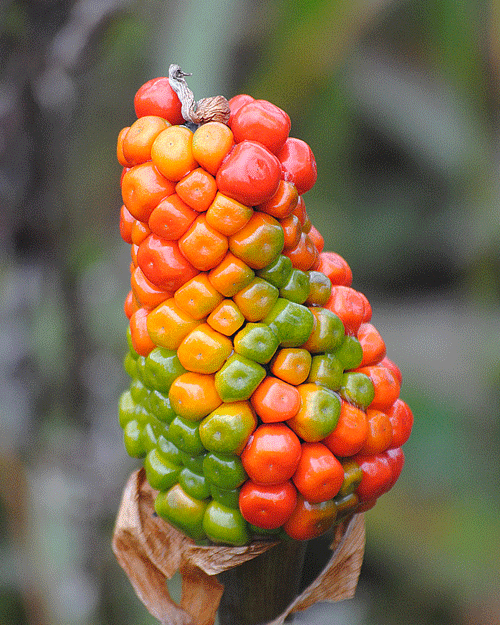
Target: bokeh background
[{"x": 399, "y": 101}]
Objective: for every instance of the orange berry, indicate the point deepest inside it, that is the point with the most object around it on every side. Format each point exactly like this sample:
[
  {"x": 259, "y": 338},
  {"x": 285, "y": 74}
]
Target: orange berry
[
  {"x": 316, "y": 238},
  {"x": 304, "y": 254},
  {"x": 163, "y": 263},
  {"x": 119, "y": 148},
  {"x": 197, "y": 189},
  {"x": 126, "y": 223},
  {"x": 204, "y": 350},
  {"x": 140, "y": 137},
  {"x": 140, "y": 230},
  {"x": 202, "y": 245},
  {"x": 310, "y": 520},
  {"x": 231, "y": 275},
  {"x": 171, "y": 218},
  {"x": 197, "y": 297},
  {"x": 145, "y": 291},
  {"x": 133, "y": 254},
  {"x": 272, "y": 454},
  {"x": 143, "y": 187},
  {"x": 389, "y": 364},
  {"x": 228, "y": 216},
  {"x": 385, "y": 383},
  {"x": 292, "y": 364},
  {"x": 130, "y": 305},
  {"x": 274, "y": 400},
  {"x": 372, "y": 343},
  {"x": 334, "y": 267},
  {"x": 172, "y": 152},
  {"x": 226, "y": 318},
  {"x": 193, "y": 395},
  {"x": 368, "y": 309},
  {"x": 300, "y": 211},
  {"x": 168, "y": 324},
  {"x": 292, "y": 231},
  {"x": 349, "y": 305},
  {"x": 283, "y": 202},
  {"x": 141, "y": 341},
  {"x": 319, "y": 474},
  {"x": 401, "y": 418},
  {"x": 379, "y": 436},
  {"x": 212, "y": 142},
  {"x": 350, "y": 433}
]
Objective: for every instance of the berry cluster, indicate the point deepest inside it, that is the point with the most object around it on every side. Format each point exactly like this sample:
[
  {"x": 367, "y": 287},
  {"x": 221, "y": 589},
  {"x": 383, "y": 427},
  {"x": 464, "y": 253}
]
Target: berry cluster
[{"x": 261, "y": 400}]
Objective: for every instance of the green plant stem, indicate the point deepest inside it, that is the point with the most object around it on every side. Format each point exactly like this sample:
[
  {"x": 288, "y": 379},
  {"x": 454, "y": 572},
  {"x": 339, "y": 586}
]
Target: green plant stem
[{"x": 259, "y": 590}]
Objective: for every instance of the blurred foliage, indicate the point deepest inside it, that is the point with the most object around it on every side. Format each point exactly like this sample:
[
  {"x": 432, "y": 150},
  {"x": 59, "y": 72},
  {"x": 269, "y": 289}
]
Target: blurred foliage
[{"x": 399, "y": 101}]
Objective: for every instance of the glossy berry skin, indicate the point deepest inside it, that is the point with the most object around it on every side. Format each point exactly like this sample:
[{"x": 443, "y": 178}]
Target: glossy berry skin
[
  {"x": 299, "y": 164},
  {"x": 268, "y": 506},
  {"x": 143, "y": 187},
  {"x": 172, "y": 152},
  {"x": 238, "y": 378},
  {"x": 261, "y": 398},
  {"x": 228, "y": 428},
  {"x": 309, "y": 520},
  {"x": 259, "y": 242},
  {"x": 236, "y": 102},
  {"x": 318, "y": 414},
  {"x": 377, "y": 476},
  {"x": 385, "y": 384},
  {"x": 212, "y": 142},
  {"x": 250, "y": 174},
  {"x": 319, "y": 474},
  {"x": 137, "y": 142},
  {"x": 193, "y": 395},
  {"x": 351, "y": 431},
  {"x": 260, "y": 120},
  {"x": 275, "y": 400},
  {"x": 183, "y": 511},
  {"x": 272, "y": 454},
  {"x": 225, "y": 525},
  {"x": 163, "y": 264},
  {"x": 224, "y": 470},
  {"x": 401, "y": 418},
  {"x": 156, "y": 97}
]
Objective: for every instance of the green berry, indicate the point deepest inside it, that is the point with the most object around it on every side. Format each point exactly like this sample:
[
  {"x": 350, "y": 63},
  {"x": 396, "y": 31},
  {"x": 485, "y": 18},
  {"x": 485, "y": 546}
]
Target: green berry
[
  {"x": 185, "y": 435},
  {"x": 161, "y": 368},
  {"x": 357, "y": 388},
  {"x": 182, "y": 510},
  {"x": 238, "y": 378},
  {"x": 297, "y": 287},
  {"x": 278, "y": 272},
  {"x": 350, "y": 352},
  {"x": 224, "y": 470},
  {"x": 225, "y": 525},
  {"x": 161, "y": 473},
  {"x": 291, "y": 322},
  {"x": 194, "y": 484},
  {"x": 326, "y": 370},
  {"x": 256, "y": 341}
]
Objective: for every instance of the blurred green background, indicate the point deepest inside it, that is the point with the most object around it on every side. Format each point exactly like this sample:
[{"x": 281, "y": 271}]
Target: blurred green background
[{"x": 399, "y": 101}]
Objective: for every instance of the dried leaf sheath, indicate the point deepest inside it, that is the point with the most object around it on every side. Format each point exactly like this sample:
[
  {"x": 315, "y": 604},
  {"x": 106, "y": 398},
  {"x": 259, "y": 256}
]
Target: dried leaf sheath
[{"x": 151, "y": 551}]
